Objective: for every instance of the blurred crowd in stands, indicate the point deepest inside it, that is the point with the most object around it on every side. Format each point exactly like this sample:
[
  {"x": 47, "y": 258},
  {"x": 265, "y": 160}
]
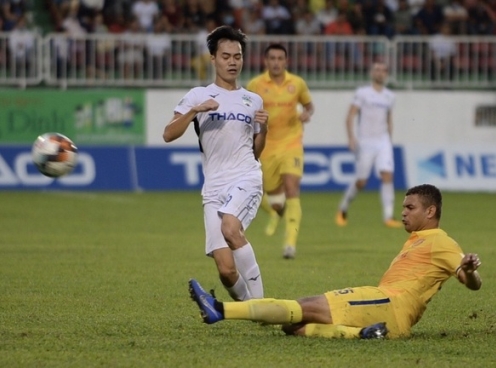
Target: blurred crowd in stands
[
  {"x": 288, "y": 17},
  {"x": 135, "y": 18}
]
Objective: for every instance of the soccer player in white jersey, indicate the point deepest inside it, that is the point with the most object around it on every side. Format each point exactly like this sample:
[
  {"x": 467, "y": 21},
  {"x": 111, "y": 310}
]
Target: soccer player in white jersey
[
  {"x": 372, "y": 143},
  {"x": 231, "y": 125}
]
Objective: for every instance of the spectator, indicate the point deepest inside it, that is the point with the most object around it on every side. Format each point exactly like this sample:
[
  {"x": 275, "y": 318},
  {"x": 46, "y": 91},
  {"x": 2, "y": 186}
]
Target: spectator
[
  {"x": 392, "y": 5},
  {"x": 381, "y": 20},
  {"x": 21, "y": 47},
  {"x": 316, "y": 5},
  {"x": 327, "y": 15},
  {"x": 415, "y": 6},
  {"x": 336, "y": 51},
  {"x": 173, "y": 12},
  {"x": 88, "y": 9},
  {"x": 308, "y": 24},
  {"x": 146, "y": 11},
  {"x": 201, "y": 62},
  {"x": 194, "y": 16},
  {"x": 340, "y": 27},
  {"x": 356, "y": 19},
  {"x": 158, "y": 47},
  {"x": 104, "y": 45},
  {"x": 429, "y": 19},
  {"x": 239, "y": 12},
  {"x": 12, "y": 12},
  {"x": 297, "y": 8},
  {"x": 71, "y": 23},
  {"x": 403, "y": 19},
  {"x": 117, "y": 23},
  {"x": 277, "y": 18},
  {"x": 253, "y": 25},
  {"x": 443, "y": 51},
  {"x": 456, "y": 16},
  {"x": 130, "y": 55},
  {"x": 479, "y": 18}
]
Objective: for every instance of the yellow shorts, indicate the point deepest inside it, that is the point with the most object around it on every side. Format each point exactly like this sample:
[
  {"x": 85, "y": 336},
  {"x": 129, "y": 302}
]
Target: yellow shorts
[
  {"x": 364, "y": 306},
  {"x": 275, "y": 165}
]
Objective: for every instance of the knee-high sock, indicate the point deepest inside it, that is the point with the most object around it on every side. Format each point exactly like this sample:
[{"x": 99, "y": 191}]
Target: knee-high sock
[
  {"x": 332, "y": 331},
  {"x": 247, "y": 266},
  {"x": 292, "y": 216},
  {"x": 348, "y": 197},
  {"x": 387, "y": 200},
  {"x": 239, "y": 291},
  {"x": 275, "y": 311},
  {"x": 265, "y": 205}
]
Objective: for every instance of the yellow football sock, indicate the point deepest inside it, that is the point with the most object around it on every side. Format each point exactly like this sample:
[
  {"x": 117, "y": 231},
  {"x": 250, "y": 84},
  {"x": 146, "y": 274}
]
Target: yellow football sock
[
  {"x": 266, "y": 206},
  {"x": 274, "y": 311},
  {"x": 292, "y": 216},
  {"x": 332, "y": 331}
]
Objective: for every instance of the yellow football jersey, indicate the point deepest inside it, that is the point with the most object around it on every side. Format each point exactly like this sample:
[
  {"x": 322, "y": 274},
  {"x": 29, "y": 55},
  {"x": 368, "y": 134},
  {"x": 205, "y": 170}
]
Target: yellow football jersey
[
  {"x": 285, "y": 130},
  {"x": 426, "y": 261}
]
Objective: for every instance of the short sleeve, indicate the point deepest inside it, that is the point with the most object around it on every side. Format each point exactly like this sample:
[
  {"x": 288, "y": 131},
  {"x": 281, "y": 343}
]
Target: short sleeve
[
  {"x": 187, "y": 102},
  {"x": 448, "y": 256},
  {"x": 305, "y": 96},
  {"x": 357, "y": 98}
]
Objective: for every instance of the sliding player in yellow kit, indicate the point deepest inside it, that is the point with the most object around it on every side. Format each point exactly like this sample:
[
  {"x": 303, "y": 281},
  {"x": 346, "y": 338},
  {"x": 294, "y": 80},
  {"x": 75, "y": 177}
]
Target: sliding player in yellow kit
[
  {"x": 282, "y": 157},
  {"x": 426, "y": 261}
]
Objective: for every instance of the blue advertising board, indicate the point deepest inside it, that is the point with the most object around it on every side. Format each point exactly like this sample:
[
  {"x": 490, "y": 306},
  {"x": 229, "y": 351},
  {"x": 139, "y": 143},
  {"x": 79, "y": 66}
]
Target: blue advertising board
[
  {"x": 148, "y": 168},
  {"x": 97, "y": 169}
]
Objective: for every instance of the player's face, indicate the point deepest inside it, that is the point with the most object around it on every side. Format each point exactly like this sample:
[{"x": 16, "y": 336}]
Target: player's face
[
  {"x": 415, "y": 216},
  {"x": 379, "y": 73},
  {"x": 228, "y": 61},
  {"x": 276, "y": 62}
]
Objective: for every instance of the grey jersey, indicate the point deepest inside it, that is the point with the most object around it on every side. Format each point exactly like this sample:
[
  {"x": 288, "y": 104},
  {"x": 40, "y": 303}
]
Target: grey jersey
[{"x": 225, "y": 135}]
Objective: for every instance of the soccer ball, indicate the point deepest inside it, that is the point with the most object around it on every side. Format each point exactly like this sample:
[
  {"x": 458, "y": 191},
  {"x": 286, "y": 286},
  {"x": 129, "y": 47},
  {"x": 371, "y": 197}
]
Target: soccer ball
[{"x": 54, "y": 154}]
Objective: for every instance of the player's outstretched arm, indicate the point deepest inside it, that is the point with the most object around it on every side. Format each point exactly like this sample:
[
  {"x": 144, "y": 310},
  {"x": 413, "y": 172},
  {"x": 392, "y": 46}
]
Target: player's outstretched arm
[
  {"x": 350, "y": 123},
  {"x": 180, "y": 122},
  {"x": 468, "y": 274}
]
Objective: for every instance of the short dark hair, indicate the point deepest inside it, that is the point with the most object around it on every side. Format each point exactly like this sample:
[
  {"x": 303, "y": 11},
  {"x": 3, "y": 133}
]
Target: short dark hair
[
  {"x": 275, "y": 46},
  {"x": 429, "y": 196},
  {"x": 225, "y": 33}
]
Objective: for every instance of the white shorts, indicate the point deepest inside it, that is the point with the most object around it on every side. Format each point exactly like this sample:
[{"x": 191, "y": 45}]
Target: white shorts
[
  {"x": 378, "y": 153},
  {"x": 241, "y": 200}
]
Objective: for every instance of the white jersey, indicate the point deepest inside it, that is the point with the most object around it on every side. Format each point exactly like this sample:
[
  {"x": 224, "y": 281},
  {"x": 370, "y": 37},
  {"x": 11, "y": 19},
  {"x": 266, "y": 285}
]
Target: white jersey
[
  {"x": 225, "y": 135},
  {"x": 374, "y": 107}
]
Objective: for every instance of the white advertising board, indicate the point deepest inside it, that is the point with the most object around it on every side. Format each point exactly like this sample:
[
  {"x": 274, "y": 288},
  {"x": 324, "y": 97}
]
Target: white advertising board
[{"x": 430, "y": 117}]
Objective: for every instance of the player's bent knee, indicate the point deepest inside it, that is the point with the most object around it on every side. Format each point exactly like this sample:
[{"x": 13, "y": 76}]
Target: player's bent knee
[
  {"x": 228, "y": 275},
  {"x": 360, "y": 184}
]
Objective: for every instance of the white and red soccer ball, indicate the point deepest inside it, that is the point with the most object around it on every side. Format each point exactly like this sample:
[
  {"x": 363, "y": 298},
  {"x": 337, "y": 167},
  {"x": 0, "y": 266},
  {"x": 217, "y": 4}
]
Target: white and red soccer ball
[{"x": 54, "y": 154}]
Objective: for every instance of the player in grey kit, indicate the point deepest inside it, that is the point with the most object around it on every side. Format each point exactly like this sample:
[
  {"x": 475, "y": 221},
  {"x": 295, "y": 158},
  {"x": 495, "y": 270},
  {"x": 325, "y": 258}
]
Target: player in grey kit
[{"x": 231, "y": 126}]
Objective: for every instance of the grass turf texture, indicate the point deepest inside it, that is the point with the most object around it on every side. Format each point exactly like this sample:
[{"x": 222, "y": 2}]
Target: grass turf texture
[{"x": 100, "y": 279}]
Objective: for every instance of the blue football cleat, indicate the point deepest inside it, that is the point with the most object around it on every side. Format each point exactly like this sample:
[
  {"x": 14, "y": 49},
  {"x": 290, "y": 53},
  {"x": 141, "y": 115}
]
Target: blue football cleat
[
  {"x": 376, "y": 331},
  {"x": 205, "y": 302}
]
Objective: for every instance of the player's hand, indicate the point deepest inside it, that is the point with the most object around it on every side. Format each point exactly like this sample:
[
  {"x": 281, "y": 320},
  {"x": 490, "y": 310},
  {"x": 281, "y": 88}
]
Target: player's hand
[
  {"x": 209, "y": 105},
  {"x": 261, "y": 117},
  {"x": 470, "y": 262},
  {"x": 352, "y": 145},
  {"x": 305, "y": 116}
]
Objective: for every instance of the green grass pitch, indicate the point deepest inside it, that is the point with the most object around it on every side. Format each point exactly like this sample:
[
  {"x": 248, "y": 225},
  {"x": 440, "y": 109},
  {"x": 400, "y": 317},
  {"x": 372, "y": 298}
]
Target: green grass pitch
[{"x": 100, "y": 280}]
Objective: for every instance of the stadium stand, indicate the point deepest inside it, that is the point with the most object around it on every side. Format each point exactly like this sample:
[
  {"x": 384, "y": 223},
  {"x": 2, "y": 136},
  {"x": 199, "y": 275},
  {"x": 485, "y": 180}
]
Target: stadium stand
[{"x": 430, "y": 43}]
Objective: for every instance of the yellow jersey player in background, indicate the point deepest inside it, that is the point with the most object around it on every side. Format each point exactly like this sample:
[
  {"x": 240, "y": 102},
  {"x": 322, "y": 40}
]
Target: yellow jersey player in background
[
  {"x": 426, "y": 261},
  {"x": 282, "y": 158}
]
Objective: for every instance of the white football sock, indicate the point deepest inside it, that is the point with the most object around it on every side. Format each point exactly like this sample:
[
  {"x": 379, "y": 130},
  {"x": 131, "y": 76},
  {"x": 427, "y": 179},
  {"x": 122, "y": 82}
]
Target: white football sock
[
  {"x": 387, "y": 199},
  {"x": 349, "y": 196},
  {"x": 239, "y": 291},
  {"x": 247, "y": 266}
]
